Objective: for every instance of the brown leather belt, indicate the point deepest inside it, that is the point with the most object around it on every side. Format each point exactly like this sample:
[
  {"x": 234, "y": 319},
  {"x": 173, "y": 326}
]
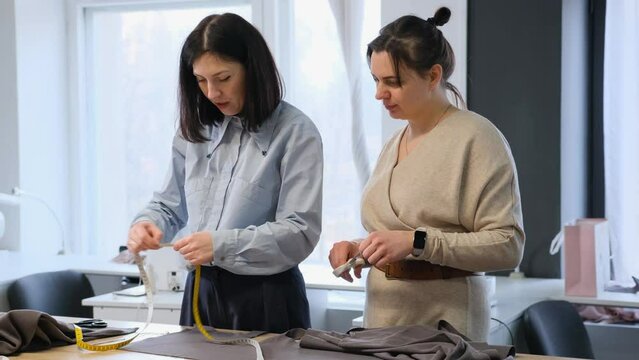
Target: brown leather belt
[{"x": 422, "y": 270}]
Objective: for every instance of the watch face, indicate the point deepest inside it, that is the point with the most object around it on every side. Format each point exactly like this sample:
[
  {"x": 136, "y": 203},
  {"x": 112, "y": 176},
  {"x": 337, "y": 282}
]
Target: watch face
[{"x": 419, "y": 242}]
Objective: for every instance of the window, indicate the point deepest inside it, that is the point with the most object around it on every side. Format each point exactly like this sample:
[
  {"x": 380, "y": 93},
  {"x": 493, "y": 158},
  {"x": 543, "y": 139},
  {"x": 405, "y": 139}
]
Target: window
[
  {"x": 318, "y": 83},
  {"x": 131, "y": 58}
]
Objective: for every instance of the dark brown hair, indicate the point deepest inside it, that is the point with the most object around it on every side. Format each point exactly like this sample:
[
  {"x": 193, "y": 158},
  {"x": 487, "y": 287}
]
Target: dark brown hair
[
  {"x": 418, "y": 44},
  {"x": 231, "y": 38}
]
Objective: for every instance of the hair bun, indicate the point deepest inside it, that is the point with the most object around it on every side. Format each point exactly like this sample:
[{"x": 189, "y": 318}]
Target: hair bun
[{"x": 441, "y": 16}]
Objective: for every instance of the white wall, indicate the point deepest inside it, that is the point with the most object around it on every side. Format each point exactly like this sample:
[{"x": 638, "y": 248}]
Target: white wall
[
  {"x": 34, "y": 125},
  {"x": 9, "y": 154},
  {"x": 454, "y": 31}
]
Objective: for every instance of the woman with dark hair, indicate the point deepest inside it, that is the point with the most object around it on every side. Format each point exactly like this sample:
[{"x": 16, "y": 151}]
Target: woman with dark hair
[
  {"x": 442, "y": 205},
  {"x": 245, "y": 181}
]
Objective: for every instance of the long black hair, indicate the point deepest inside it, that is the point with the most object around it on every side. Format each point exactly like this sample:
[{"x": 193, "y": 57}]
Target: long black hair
[
  {"x": 418, "y": 44},
  {"x": 231, "y": 38}
]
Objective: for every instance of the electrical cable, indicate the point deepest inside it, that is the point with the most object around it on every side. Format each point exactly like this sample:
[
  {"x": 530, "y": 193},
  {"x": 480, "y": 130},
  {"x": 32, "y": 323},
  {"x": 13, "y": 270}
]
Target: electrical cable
[
  {"x": 19, "y": 192},
  {"x": 512, "y": 338}
]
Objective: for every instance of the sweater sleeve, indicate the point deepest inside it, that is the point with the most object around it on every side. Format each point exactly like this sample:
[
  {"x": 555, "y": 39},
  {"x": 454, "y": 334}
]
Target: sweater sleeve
[{"x": 489, "y": 207}]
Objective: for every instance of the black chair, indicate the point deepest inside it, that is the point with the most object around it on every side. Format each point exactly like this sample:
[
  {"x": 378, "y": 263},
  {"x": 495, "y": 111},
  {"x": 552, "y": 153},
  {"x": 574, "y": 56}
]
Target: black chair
[
  {"x": 555, "y": 328},
  {"x": 56, "y": 293}
]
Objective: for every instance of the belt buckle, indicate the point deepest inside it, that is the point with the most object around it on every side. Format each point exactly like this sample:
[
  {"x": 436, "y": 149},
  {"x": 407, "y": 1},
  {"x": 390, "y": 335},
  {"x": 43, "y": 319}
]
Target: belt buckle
[{"x": 387, "y": 268}]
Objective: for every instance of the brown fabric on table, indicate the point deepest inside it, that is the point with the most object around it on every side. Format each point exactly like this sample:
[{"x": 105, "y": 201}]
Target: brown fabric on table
[
  {"x": 31, "y": 330},
  {"x": 190, "y": 344},
  {"x": 282, "y": 347},
  {"x": 404, "y": 342}
]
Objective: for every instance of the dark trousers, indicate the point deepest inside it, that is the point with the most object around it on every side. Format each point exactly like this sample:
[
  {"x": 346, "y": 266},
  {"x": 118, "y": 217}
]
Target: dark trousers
[{"x": 273, "y": 303}]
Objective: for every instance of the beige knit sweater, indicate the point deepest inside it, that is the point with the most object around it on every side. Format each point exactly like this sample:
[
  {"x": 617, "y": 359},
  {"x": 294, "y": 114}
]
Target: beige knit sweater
[{"x": 460, "y": 183}]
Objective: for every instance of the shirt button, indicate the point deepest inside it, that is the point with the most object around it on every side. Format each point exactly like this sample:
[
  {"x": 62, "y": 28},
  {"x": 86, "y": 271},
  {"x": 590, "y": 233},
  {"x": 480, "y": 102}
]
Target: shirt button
[{"x": 222, "y": 258}]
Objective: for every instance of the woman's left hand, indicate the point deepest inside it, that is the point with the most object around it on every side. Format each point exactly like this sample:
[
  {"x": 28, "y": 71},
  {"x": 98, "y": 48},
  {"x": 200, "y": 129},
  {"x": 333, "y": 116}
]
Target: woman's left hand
[
  {"x": 196, "y": 248},
  {"x": 383, "y": 247}
]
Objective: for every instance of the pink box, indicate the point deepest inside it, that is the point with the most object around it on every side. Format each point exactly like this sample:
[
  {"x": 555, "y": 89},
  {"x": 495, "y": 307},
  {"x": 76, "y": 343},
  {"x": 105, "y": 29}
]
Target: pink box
[{"x": 586, "y": 257}]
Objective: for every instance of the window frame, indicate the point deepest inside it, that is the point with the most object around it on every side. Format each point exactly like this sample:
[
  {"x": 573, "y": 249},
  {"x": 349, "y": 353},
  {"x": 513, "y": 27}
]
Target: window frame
[
  {"x": 271, "y": 17},
  {"x": 81, "y": 170}
]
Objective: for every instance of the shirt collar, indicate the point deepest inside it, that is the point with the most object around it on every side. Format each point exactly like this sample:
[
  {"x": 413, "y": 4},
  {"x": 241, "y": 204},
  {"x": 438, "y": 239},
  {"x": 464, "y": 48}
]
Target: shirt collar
[
  {"x": 264, "y": 133},
  {"x": 262, "y": 136}
]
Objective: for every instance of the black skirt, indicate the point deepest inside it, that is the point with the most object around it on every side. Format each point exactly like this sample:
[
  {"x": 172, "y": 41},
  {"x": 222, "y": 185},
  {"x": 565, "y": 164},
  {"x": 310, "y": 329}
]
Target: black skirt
[{"x": 273, "y": 303}]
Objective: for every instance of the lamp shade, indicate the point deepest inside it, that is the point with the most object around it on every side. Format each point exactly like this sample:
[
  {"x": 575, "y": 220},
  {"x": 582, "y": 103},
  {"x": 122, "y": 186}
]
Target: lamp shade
[{"x": 9, "y": 199}]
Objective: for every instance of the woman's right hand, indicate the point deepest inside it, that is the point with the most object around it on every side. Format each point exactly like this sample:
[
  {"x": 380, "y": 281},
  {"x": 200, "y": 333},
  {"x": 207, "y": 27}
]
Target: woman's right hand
[
  {"x": 144, "y": 235},
  {"x": 341, "y": 252}
]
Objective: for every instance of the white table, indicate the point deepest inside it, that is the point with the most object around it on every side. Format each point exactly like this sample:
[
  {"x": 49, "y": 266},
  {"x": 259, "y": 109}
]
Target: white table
[
  {"x": 512, "y": 297},
  {"x": 167, "y": 304},
  {"x": 607, "y": 298}
]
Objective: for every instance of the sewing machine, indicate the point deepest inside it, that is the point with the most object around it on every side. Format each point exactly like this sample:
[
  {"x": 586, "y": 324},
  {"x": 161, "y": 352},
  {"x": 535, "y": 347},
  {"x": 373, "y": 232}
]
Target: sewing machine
[{"x": 166, "y": 269}]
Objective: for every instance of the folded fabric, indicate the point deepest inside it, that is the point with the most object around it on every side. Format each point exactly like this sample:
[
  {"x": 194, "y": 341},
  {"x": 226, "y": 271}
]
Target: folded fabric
[
  {"x": 31, "y": 330},
  {"x": 403, "y": 342}
]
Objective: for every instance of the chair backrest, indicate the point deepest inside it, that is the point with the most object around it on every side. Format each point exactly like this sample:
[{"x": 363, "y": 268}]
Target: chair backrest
[
  {"x": 555, "y": 328},
  {"x": 56, "y": 293}
]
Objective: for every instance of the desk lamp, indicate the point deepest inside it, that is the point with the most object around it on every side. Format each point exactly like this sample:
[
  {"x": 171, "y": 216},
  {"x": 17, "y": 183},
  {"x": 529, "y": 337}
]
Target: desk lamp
[
  {"x": 8, "y": 200},
  {"x": 14, "y": 199}
]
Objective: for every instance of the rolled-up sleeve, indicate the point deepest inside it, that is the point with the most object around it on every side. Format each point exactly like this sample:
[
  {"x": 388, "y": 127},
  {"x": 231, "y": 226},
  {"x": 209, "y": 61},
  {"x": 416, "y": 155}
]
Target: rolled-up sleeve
[
  {"x": 278, "y": 245},
  {"x": 167, "y": 208}
]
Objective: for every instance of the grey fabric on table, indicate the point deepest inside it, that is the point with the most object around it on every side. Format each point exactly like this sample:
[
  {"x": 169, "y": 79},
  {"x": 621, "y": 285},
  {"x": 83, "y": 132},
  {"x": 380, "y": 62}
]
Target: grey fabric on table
[
  {"x": 403, "y": 342},
  {"x": 32, "y": 330},
  {"x": 190, "y": 344}
]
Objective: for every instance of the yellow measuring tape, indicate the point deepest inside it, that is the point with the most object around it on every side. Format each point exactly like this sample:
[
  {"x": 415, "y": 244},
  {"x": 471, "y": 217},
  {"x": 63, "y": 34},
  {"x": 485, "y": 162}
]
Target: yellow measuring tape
[
  {"x": 113, "y": 345},
  {"x": 149, "y": 294},
  {"x": 94, "y": 347},
  {"x": 209, "y": 337},
  {"x": 196, "y": 310}
]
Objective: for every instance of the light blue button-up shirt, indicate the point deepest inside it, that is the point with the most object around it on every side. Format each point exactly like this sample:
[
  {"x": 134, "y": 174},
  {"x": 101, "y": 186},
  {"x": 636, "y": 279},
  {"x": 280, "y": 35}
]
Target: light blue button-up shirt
[{"x": 259, "y": 193}]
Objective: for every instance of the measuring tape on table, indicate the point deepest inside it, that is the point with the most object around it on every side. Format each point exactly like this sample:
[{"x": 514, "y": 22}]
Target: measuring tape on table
[
  {"x": 114, "y": 345},
  {"x": 139, "y": 261}
]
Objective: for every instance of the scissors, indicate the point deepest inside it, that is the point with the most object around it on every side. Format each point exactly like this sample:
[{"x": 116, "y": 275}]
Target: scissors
[
  {"x": 356, "y": 260},
  {"x": 92, "y": 323}
]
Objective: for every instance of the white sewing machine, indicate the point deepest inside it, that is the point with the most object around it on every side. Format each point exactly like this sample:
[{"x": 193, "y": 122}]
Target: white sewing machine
[{"x": 166, "y": 269}]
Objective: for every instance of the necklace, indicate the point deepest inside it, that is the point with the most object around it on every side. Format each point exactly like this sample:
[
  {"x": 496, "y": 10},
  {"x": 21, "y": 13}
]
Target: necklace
[{"x": 437, "y": 123}]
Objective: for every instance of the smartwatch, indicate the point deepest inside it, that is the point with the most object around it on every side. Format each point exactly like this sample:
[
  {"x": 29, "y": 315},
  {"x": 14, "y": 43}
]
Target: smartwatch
[{"x": 419, "y": 242}]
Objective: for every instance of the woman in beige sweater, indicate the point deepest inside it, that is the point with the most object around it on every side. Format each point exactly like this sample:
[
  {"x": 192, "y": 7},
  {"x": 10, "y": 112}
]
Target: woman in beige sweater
[{"x": 442, "y": 205}]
